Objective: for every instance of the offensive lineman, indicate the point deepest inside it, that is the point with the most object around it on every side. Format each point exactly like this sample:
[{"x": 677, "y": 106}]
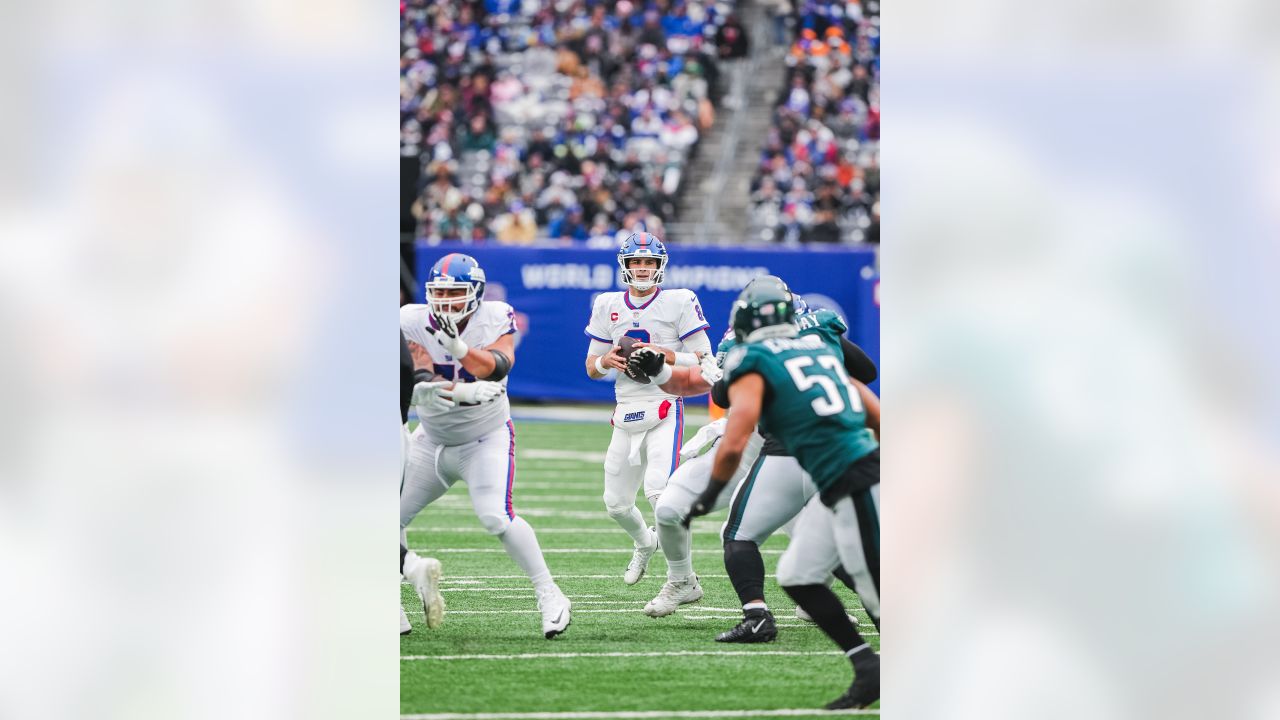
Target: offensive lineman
[
  {"x": 648, "y": 424},
  {"x": 466, "y": 431},
  {"x": 798, "y": 391},
  {"x": 775, "y": 490}
]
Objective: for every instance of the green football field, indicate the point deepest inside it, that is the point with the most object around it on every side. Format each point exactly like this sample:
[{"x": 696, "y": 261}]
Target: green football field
[{"x": 489, "y": 659}]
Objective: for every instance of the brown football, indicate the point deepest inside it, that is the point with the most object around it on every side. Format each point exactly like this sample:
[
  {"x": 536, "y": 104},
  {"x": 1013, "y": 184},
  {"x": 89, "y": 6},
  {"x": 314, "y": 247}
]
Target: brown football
[{"x": 626, "y": 346}]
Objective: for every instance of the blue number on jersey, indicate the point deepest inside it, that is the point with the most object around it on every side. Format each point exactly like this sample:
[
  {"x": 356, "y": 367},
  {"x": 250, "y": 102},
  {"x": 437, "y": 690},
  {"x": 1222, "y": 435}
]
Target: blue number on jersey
[
  {"x": 447, "y": 372},
  {"x": 640, "y": 334}
]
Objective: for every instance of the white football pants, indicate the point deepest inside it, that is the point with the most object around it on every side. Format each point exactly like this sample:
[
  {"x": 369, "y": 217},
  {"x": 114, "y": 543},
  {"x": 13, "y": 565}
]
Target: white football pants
[{"x": 848, "y": 535}]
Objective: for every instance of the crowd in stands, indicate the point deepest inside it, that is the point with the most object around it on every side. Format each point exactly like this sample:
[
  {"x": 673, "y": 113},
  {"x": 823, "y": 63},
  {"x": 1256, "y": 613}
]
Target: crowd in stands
[
  {"x": 564, "y": 119},
  {"x": 819, "y": 173}
]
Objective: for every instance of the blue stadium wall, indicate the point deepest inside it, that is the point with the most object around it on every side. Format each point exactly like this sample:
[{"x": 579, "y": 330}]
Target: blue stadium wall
[{"x": 552, "y": 290}]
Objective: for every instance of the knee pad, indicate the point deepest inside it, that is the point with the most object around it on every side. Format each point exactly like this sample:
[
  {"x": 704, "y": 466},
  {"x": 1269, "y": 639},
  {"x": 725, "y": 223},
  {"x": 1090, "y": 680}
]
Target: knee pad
[
  {"x": 617, "y": 506},
  {"x": 494, "y": 524},
  {"x": 667, "y": 514}
]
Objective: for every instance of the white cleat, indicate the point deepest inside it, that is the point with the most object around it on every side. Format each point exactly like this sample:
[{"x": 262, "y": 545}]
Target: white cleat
[
  {"x": 405, "y": 627},
  {"x": 673, "y": 595},
  {"x": 425, "y": 578},
  {"x": 555, "y": 611},
  {"x": 640, "y": 561}
]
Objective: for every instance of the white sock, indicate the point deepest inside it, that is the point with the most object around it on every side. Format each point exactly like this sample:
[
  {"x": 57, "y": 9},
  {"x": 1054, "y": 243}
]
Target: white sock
[
  {"x": 521, "y": 543},
  {"x": 633, "y": 523},
  {"x": 755, "y": 606},
  {"x": 410, "y": 560},
  {"x": 676, "y": 542}
]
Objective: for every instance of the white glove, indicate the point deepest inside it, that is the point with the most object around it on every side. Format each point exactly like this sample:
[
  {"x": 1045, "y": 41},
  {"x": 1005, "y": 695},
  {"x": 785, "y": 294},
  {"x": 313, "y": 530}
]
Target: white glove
[
  {"x": 427, "y": 397},
  {"x": 474, "y": 393},
  {"x": 710, "y": 371},
  {"x": 704, "y": 439},
  {"x": 447, "y": 334}
]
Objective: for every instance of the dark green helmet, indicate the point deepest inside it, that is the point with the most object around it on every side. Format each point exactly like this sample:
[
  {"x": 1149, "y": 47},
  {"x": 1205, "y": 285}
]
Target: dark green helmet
[{"x": 763, "y": 310}]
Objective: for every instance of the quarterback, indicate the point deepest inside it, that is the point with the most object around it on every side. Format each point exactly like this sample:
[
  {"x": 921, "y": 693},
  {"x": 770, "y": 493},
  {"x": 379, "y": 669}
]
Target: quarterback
[
  {"x": 648, "y": 423},
  {"x": 465, "y": 431}
]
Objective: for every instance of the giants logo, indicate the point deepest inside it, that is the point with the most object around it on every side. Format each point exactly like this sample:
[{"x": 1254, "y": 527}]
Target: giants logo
[{"x": 634, "y": 416}]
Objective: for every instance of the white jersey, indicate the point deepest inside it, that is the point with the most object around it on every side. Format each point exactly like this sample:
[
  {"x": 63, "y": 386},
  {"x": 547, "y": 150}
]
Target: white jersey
[
  {"x": 458, "y": 425},
  {"x": 665, "y": 319}
]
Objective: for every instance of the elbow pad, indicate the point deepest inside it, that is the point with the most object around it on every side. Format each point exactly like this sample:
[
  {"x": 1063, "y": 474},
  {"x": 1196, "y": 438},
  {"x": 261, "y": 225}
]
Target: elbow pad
[
  {"x": 857, "y": 363},
  {"x": 720, "y": 393},
  {"x": 501, "y": 365}
]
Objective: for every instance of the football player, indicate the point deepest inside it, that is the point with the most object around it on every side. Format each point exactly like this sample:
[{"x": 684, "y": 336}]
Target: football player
[
  {"x": 465, "y": 431},
  {"x": 648, "y": 423},
  {"x": 815, "y": 412},
  {"x": 776, "y": 488},
  {"x": 422, "y": 573}
]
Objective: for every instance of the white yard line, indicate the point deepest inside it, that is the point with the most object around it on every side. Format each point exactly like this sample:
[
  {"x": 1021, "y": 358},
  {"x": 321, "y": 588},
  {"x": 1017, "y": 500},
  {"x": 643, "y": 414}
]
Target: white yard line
[
  {"x": 615, "y": 530},
  {"x": 585, "y": 551},
  {"x": 605, "y": 611},
  {"x": 591, "y": 456},
  {"x": 663, "y": 653},
  {"x": 469, "y": 578},
  {"x": 639, "y": 714}
]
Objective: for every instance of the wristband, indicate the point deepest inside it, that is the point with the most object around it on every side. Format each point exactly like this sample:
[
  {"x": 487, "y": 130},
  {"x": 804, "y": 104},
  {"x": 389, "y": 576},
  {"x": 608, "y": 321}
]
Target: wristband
[
  {"x": 600, "y": 368},
  {"x": 686, "y": 359},
  {"x": 663, "y": 375}
]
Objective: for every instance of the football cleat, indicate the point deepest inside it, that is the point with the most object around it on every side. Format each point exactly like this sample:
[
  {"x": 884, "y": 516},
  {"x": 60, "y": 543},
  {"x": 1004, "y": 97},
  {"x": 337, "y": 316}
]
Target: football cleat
[
  {"x": 425, "y": 578},
  {"x": 555, "y": 610},
  {"x": 864, "y": 690},
  {"x": 673, "y": 595},
  {"x": 640, "y": 561},
  {"x": 405, "y": 627},
  {"x": 756, "y": 626}
]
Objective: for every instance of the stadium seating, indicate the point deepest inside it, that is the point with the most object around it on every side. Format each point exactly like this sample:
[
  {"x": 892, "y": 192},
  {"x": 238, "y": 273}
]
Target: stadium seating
[
  {"x": 819, "y": 173},
  {"x": 562, "y": 120}
]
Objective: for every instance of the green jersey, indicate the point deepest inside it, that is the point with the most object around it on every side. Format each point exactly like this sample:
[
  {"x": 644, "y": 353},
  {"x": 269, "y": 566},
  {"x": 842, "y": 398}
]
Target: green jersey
[
  {"x": 826, "y": 324},
  {"x": 810, "y": 405}
]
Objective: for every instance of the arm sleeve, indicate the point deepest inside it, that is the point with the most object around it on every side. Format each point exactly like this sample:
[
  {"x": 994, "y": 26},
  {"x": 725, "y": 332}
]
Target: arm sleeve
[
  {"x": 857, "y": 363},
  {"x": 598, "y": 348},
  {"x": 698, "y": 343},
  {"x": 720, "y": 393}
]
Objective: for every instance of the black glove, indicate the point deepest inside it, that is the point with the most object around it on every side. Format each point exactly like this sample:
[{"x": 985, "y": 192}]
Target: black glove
[
  {"x": 646, "y": 361},
  {"x": 705, "y": 503}
]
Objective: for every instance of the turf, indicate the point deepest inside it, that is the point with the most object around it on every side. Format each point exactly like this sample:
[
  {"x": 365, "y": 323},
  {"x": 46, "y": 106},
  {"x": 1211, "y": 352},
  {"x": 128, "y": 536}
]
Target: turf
[{"x": 491, "y": 609}]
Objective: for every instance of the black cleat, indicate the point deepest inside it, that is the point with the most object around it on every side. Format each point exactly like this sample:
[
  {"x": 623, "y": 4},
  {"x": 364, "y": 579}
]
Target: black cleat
[
  {"x": 864, "y": 690},
  {"x": 757, "y": 626}
]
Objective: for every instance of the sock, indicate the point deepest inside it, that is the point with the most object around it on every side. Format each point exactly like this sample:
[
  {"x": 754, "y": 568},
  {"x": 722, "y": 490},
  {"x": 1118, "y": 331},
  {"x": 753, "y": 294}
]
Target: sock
[
  {"x": 633, "y": 522},
  {"x": 521, "y": 543},
  {"x": 862, "y": 657},
  {"x": 829, "y": 614},
  {"x": 675, "y": 542},
  {"x": 843, "y": 576},
  {"x": 755, "y": 608},
  {"x": 408, "y": 559},
  {"x": 746, "y": 569}
]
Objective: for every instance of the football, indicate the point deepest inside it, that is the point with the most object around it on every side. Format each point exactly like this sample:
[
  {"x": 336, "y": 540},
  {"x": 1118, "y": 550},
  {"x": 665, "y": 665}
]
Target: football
[{"x": 626, "y": 346}]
